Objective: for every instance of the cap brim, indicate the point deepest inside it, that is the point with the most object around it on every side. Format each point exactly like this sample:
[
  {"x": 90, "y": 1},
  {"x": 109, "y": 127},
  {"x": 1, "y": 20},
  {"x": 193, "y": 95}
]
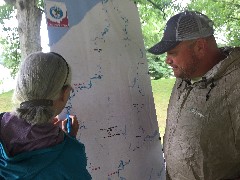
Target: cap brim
[{"x": 163, "y": 46}]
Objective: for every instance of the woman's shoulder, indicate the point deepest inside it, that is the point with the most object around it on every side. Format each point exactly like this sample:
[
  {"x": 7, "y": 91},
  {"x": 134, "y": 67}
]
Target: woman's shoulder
[
  {"x": 73, "y": 153},
  {"x": 72, "y": 146},
  {"x": 1, "y": 114}
]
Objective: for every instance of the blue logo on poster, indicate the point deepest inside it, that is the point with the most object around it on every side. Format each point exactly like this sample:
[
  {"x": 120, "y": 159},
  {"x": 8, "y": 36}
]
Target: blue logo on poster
[{"x": 56, "y": 12}]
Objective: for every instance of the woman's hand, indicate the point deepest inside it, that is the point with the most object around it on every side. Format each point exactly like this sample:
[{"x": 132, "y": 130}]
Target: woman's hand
[{"x": 63, "y": 125}]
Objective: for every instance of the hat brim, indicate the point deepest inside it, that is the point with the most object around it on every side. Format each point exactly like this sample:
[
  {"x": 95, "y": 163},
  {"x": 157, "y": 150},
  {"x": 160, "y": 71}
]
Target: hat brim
[{"x": 163, "y": 46}]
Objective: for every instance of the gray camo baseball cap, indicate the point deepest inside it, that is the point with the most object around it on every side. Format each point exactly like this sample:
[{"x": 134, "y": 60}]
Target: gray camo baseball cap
[{"x": 184, "y": 26}]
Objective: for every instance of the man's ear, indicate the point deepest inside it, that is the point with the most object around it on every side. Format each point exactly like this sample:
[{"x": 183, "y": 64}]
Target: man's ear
[{"x": 200, "y": 47}]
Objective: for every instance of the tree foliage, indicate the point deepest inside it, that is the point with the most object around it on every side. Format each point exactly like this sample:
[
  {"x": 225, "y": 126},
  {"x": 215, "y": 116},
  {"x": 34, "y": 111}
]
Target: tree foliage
[
  {"x": 6, "y": 12},
  {"x": 11, "y": 51},
  {"x": 9, "y": 39},
  {"x": 225, "y": 15}
]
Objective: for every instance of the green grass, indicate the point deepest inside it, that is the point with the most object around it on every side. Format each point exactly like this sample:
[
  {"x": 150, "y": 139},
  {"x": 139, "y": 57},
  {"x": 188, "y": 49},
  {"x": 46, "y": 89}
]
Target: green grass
[
  {"x": 161, "y": 93},
  {"x": 6, "y": 101}
]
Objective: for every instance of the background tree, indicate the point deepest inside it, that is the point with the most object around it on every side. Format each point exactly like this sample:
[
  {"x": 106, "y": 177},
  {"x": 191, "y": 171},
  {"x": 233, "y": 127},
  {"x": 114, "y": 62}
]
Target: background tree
[
  {"x": 226, "y": 17},
  {"x": 11, "y": 51},
  {"x": 27, "y": 38},
  {"x": 10, "y": 56}
]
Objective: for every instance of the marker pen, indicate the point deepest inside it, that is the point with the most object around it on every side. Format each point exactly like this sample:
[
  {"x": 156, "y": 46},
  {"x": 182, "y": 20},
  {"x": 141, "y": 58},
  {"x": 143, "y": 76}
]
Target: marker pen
[
  {"x": 69, "y": 124},
  {"x": 66, "y": 115}
]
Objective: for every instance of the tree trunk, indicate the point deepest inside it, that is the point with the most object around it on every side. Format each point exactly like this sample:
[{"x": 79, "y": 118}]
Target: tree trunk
[{"x": 29, "y": 21}]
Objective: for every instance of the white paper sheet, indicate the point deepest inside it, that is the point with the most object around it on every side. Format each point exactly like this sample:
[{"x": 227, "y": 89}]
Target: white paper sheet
[{"x": 112, "y": 95}]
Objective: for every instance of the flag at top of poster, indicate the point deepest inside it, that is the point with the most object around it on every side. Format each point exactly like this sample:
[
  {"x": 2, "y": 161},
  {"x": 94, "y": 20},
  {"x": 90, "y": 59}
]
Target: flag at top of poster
[{"x": 56, "y": 13}]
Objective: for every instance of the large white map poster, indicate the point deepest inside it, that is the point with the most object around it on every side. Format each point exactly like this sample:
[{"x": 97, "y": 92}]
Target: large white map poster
[{"x": 112, "y": 98}]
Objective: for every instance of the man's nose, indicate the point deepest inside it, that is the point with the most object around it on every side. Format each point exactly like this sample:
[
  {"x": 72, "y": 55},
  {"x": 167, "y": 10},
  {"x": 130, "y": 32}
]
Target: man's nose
[{"x": 168, "y": 60}]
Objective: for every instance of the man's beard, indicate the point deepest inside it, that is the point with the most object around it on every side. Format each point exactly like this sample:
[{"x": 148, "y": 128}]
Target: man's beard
[{"x": 187, "y": 72}]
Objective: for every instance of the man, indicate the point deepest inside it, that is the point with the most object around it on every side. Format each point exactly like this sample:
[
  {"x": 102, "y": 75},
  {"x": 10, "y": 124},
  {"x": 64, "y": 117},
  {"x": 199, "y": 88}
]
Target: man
[{"x": 202, "y": 137}]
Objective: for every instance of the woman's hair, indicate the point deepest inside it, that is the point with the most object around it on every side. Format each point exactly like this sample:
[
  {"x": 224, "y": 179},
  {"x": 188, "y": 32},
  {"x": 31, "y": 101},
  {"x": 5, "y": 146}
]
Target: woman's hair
[{"x": 40, "y": 80}]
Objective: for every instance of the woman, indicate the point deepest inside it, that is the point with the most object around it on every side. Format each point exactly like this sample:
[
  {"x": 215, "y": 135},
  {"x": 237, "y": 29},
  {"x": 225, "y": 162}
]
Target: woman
[{"x": 33, "y": 146}]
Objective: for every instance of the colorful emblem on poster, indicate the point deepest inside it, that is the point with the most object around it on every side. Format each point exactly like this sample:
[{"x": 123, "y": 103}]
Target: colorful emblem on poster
[{"x": 56, "y": 14}]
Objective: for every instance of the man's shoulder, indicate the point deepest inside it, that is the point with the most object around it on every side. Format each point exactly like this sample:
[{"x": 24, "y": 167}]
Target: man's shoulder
[{"x": 229, "y": 51}]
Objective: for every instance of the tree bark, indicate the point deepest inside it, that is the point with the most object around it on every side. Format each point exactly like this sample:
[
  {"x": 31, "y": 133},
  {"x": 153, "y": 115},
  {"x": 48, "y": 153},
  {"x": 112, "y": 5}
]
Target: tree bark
[{"x": 29, "y": 18}]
